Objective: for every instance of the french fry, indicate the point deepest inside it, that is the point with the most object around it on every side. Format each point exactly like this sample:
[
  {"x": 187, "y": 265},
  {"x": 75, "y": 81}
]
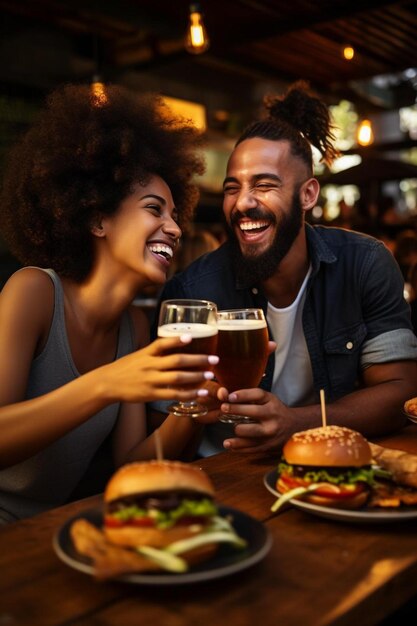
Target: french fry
[
  {"x": 390, "y": 495},
  {"x": 109, "y": 561}
]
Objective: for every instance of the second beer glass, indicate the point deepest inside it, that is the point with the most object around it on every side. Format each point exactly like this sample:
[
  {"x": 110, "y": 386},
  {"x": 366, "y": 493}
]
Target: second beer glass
[{"x": 242, "y": 346}]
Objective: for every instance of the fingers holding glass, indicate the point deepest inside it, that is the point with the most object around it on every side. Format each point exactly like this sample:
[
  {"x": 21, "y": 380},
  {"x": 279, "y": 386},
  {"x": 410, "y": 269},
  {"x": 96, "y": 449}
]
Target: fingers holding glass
[{"x": 198, "y": 319}]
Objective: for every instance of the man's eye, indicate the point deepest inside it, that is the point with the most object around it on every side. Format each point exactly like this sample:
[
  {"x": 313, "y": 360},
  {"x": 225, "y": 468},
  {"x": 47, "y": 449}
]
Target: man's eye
[
  {"x": 265, "y": 186},
  {"x": 230, "y": 189}
]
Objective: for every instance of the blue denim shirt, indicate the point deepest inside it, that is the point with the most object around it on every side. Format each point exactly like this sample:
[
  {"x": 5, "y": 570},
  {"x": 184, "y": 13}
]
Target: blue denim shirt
[{"x": 354, "y": 315}]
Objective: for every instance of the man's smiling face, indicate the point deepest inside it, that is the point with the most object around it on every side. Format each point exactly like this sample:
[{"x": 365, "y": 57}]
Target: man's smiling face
[{"x": 261, "y": 204}]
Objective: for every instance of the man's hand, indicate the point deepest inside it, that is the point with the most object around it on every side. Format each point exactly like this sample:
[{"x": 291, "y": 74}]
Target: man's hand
[{"x": 275, "y": 421}]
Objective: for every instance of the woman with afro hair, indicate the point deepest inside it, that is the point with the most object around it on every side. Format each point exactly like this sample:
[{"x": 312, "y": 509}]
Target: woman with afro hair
[{"x": 92, "y": 202}]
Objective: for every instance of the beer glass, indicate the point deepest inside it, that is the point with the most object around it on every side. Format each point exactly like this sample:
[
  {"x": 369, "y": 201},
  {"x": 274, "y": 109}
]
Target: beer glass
[
  {"x": 242, "y": 347},
  {"x": 198, "y": 319}
]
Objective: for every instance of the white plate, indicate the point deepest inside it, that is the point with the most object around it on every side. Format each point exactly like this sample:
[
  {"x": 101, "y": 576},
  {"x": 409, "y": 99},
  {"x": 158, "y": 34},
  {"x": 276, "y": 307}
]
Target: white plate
[
  {"x": 366, "y": 515},
  {"x": 226, "y": 561}
]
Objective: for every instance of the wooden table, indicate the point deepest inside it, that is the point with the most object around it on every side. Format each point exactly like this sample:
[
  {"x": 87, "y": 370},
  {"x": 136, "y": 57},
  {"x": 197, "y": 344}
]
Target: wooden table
[{"x": 318, "y": 572}]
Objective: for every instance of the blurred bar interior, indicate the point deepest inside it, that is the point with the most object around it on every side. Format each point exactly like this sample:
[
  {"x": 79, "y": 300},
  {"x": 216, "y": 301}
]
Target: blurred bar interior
[{"x": 361, "y": 57}]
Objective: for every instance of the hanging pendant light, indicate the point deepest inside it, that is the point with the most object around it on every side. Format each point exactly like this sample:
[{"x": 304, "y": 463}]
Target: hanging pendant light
[
  {"x": 98, "y": 91},
  {"x": 197, "y": 40},
  {"x": 97, "y": 86}
]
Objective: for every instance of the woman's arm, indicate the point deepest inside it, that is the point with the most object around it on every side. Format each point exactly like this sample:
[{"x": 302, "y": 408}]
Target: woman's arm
[
  {"x": 28, "y": 426},
  {"x": 178, "y": 435}
]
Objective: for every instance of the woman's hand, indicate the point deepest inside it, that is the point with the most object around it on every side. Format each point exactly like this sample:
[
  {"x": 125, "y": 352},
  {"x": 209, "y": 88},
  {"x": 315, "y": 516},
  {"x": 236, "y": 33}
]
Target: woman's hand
[
  {"x": 160, "y": 371},
  {"x": 212, "y": 403}
]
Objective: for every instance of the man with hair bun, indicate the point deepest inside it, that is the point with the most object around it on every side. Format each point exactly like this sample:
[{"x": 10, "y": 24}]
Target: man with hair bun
[{"x": 333, "y": 298}]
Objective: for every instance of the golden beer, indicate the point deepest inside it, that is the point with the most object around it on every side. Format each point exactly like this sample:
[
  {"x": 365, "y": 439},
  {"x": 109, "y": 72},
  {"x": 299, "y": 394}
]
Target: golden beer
[
  {"x": 198, "y": 319},
  {"x": 204, "y": 337},
  {"x": 242, "y": 347}
]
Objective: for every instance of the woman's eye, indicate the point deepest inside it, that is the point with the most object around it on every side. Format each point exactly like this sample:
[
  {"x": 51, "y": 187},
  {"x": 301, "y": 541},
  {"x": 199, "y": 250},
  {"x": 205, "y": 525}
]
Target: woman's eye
[{"x": 154, "y": 207}]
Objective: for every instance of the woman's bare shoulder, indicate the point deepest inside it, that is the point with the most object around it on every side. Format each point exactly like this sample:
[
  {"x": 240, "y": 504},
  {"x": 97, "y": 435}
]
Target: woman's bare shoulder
[
  {"x": 29, "y": 281},
  {"x": 30, "y": 292}
]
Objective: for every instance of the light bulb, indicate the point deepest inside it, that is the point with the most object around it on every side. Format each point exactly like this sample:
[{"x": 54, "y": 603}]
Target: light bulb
[
  {"x": 348, "y": 53},
  {"x": 98, "y": 92},
  {"x": 197, "y": 40},
  {"x": 365, "y": 133}
]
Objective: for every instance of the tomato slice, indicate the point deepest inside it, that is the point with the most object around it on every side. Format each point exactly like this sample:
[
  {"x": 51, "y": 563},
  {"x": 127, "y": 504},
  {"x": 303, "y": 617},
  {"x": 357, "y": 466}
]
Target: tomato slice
[
  {"x": 327, "y": 490},
  {"x": 114, "y": 522}
]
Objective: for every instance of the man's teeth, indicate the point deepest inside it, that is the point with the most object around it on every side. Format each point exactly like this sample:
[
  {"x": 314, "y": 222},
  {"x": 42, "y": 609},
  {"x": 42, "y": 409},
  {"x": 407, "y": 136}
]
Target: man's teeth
[
  {"x": 252, "y": 225},
  {"x": 163, "y": 249}
]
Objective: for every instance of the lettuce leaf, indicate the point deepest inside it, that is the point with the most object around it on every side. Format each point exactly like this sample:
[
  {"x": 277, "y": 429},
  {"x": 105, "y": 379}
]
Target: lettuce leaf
[{"x": 348, "y": 476}]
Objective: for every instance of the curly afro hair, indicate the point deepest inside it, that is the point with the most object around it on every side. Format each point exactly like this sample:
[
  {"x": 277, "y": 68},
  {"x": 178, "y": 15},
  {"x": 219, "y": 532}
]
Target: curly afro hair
[
  {"x": 299, "y": 117},
  {"x": 80, "y": 160}
]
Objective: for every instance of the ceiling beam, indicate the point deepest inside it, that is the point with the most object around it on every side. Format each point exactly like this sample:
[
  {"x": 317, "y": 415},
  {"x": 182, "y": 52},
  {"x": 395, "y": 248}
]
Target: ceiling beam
[{"x": 276, "y": 26}]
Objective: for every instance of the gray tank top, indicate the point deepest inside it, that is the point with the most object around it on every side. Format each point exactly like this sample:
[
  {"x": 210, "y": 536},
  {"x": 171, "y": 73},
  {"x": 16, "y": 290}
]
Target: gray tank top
[{"x": 47, "y": 479}]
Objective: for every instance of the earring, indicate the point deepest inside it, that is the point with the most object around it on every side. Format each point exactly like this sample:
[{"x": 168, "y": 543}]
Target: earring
[{"x": 98, "y": 230}]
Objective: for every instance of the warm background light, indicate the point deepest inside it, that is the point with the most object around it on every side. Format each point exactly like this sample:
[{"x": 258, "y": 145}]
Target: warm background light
[
  {"x": 365, "y": 133},
  {"x": 98, "y": 92},
  {"x": 348, "y": 53},
  {"x": 189, "y": 110}
]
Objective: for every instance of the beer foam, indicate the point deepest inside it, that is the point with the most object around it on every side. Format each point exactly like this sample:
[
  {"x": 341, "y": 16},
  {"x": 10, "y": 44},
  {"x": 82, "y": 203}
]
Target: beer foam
[
  {"x": 240, "y": 324},
  {"x": 181, "y": 328}
]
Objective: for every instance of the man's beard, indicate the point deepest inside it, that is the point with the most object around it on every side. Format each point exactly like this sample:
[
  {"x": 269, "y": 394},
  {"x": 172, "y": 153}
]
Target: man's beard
[{"x": 252, "y": 269}]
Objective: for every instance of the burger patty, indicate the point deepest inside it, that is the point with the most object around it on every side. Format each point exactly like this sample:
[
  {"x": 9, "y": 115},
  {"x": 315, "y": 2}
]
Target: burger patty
[
  {"x": 160, "y": 500},
  {"x": 301, "y": 470}
]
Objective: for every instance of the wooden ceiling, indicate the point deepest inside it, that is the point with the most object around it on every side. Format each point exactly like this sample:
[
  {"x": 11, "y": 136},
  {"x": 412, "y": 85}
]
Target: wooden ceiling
[{"x": 265, "y": 41}]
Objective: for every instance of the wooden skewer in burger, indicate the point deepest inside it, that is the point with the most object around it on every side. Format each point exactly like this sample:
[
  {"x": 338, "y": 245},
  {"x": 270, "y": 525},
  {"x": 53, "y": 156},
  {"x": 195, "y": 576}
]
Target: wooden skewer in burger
[{"x": 328, "y": 465}]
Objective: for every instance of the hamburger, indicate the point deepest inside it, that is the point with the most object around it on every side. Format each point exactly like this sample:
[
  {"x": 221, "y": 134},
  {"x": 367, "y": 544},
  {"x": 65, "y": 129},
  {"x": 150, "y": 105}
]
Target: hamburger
[
  {"x": 162, "y": 508},
  {"x": 329, "y": 466}
]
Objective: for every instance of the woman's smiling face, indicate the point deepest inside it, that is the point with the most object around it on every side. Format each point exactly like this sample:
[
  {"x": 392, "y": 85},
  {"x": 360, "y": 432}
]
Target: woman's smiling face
[{"x": 143, "y": 233}]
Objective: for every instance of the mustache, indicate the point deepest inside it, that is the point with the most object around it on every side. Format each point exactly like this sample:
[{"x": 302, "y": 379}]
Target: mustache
[{"x": 252, "y": 214}]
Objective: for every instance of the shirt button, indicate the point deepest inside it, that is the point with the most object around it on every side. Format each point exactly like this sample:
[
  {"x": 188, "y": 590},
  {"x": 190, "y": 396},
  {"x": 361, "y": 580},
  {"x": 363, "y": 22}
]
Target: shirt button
[
  {"x": 349, "y": 345},
  {"x": 254, "y": 290}
]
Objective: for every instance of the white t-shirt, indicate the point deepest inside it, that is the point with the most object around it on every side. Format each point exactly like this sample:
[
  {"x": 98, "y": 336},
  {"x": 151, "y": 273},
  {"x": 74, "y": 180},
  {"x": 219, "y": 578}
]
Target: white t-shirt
[{"x": 293, "y": 376}]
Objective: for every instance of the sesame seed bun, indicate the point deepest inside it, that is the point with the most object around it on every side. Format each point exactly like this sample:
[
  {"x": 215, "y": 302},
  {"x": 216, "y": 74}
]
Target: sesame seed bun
[
  {"x": 151, "y": 476},
  {"x": 158, "y": 477},
  {"x": 328, "y": 446}
]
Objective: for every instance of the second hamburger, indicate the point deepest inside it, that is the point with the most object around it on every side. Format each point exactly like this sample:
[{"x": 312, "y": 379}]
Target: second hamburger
[{"x": 329, "y": 466}]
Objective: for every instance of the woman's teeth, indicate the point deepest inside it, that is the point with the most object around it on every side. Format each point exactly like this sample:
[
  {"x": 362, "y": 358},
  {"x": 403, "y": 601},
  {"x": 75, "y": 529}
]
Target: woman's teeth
[{"x": 162, "y": 249}]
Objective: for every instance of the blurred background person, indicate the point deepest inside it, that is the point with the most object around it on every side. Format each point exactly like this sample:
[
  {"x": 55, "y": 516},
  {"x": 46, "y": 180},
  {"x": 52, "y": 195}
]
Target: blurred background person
[
  {"x": 405, "y": 250},
  {"x": 193, "y": 245}
]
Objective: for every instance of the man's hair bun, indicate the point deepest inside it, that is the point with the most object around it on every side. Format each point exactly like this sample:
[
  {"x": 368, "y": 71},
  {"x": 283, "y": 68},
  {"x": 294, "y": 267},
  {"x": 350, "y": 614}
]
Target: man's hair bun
[{"x": 302, "y": 109}]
